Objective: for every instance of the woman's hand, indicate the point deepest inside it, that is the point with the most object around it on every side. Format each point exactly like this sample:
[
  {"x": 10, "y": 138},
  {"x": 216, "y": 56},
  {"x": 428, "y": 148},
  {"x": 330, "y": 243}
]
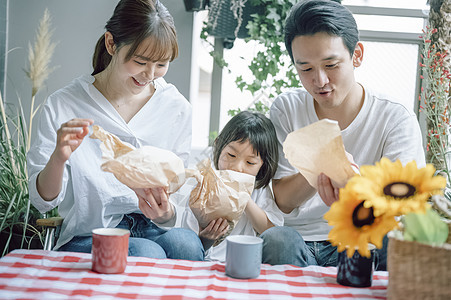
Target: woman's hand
[
  {"x": 69, "y": 137},
  {"x": 215, "y": 229},
  {"x": 155, "y": 205}
]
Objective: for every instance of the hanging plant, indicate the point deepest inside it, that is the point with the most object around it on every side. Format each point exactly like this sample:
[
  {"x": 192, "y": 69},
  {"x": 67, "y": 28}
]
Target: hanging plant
[
  {"x": 271, "y": 66},
  {"x": 229, "y": 18},
  {"x": 261, "y": 21},
  {"x": 195, "y": 5}
]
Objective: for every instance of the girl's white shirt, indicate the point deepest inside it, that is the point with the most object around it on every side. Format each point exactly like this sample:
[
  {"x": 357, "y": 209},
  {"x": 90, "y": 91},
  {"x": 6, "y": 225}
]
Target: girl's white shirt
[
  {"x": 89, "y": 197},
  {"x": 262, "y": 197}
]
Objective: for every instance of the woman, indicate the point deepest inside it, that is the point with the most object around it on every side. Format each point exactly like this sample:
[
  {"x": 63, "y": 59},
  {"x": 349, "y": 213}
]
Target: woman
[{"x": 127, "y": 96}]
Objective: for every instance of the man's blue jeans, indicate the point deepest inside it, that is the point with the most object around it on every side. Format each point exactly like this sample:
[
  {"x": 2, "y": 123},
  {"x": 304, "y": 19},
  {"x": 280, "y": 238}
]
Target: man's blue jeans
[
  {"x": 284, "y": 245},
  {"x": 149, "y": 240}
]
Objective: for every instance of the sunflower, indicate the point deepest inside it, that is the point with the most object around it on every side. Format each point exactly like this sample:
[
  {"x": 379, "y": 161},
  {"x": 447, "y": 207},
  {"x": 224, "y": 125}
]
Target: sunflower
[
  {"x": 390, "y": 187},
  {"x": 354, "y": 225}
]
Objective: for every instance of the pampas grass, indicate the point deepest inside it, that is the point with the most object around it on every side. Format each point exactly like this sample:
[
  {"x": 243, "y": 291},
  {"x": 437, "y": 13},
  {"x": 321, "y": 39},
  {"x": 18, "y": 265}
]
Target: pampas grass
[
  {"x": 39, "y": 59},
  {"x": 39, "y": 56},
  {"x": 16, "y": 211}
]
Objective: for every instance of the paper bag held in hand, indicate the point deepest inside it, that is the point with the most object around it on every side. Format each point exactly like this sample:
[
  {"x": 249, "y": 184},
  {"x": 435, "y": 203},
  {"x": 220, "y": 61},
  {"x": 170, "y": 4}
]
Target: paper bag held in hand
[
  {"x": 220, "y": 194},
  {"x": 318, "y": 148},
  {"x": 145, "y": 167}
]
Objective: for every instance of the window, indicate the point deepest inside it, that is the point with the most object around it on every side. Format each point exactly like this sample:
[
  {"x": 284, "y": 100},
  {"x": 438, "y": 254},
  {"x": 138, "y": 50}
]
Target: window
[{"x": 389, "y": 31}]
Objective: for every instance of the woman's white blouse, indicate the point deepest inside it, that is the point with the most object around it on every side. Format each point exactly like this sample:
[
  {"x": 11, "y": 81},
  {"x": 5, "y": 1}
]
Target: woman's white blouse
[{"x": 90, "y": 197}]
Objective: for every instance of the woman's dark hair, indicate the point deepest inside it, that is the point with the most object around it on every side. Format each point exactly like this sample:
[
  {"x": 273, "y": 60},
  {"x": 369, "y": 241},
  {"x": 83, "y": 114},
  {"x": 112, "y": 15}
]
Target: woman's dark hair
[
  {"x": 259, "y": 131},
  {"x": 132, "y": 22},
  {"x": 309, "y": 17}
]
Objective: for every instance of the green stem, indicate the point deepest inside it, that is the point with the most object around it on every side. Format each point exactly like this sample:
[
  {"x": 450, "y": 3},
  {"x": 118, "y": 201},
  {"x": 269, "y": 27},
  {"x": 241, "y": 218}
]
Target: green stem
[
  {"x": 30, "y": 123},
  {"x": 8, "y": 135}
]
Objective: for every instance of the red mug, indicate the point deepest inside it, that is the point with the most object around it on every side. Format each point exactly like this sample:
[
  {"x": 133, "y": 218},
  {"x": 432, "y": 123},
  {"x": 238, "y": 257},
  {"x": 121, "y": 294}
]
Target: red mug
[{"x": 109, "y": 250}]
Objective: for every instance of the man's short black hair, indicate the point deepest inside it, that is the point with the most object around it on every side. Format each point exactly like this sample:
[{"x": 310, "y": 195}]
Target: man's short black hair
[{"x": 309, "y": 17}]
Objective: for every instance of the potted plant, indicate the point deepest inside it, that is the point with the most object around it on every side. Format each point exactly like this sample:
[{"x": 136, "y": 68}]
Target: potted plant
[
  {"x": 423, "y": 251},
  {"x": 435, "y": 102},
  {"x": 17, "y": 215},
  {"x": 435, "y": 96},
  {"x": 392, "y": 196}
]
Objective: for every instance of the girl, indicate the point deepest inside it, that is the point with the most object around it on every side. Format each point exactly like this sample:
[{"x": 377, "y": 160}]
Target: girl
[
  {"x": 247, "y": 144},
  {"x": 127, "y": 96}
]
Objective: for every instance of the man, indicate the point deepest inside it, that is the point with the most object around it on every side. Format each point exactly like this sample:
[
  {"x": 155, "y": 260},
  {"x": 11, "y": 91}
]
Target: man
[{"x": 322, "y": 40}]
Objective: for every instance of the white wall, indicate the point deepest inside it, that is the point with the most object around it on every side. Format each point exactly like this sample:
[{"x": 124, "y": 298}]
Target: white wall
[{"x": 77, "y": 27}]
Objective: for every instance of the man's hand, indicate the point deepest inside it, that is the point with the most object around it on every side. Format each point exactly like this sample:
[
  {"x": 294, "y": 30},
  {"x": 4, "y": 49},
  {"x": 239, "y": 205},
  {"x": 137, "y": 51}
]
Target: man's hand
[
  {"x": 155, "y": 204},
  {"x": 327, "y": 190}
]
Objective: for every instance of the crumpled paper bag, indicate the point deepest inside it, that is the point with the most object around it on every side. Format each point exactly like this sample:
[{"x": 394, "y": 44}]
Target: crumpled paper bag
[
  {"x": 219, "y": 194},
  {"x": 318, "y": 148},
  {"x": 145, "y": 167}
]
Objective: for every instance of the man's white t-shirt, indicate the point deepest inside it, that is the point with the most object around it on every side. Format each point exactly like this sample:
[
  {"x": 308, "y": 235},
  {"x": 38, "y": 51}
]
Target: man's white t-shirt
[
  {"x": 89, "y": 197},
  {"x": 383, "y": 128}
]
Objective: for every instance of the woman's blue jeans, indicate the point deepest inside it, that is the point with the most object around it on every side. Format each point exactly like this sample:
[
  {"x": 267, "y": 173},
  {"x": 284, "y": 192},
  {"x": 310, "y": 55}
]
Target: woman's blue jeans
[
  {"x": 149, "y": 240},
  {"x": 284, "y": 245}
]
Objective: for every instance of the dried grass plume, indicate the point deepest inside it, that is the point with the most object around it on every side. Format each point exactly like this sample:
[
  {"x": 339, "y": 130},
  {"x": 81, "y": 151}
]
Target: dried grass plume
[{"x": 39, "y": 56}]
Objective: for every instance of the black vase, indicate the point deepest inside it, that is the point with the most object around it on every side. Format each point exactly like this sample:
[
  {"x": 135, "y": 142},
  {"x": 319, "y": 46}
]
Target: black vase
[{"x": 356, "y": 271}]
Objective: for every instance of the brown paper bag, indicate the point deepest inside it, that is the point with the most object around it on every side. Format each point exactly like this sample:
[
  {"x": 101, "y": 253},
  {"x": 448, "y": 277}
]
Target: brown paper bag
[
  {"x": 220, "y": 194},
  {"x": 146, "y": 167},
  {"x": 318, "y": 148}
]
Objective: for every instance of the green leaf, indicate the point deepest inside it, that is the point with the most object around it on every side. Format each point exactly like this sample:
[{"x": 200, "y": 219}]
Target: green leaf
[
  {"x": 273, "y": 15},
  {"x": 233, "y": 112},
  {"x": 426, "y": 228}
]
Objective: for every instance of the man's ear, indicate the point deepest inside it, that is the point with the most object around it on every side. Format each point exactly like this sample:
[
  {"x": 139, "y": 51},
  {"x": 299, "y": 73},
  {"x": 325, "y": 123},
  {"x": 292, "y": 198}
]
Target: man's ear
[
  {"x": 109, "y": 43},
  {"x": 358, "y": 55}
]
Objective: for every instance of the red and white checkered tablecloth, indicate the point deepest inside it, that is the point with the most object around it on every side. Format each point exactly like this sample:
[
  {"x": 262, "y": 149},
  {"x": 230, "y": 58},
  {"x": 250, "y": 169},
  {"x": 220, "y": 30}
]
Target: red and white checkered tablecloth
[{"x": 39, "y": 274}]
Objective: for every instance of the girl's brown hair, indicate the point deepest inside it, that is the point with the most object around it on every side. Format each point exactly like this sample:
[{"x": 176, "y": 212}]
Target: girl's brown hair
[
  {"x": 261, "y": 134},
  {"x": 132, "y": 22}
]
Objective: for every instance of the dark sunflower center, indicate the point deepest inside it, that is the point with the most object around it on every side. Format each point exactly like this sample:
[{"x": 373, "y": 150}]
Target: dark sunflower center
[
  {"x": 399, "y": 190},
  {"x": 362, "y": 216}
]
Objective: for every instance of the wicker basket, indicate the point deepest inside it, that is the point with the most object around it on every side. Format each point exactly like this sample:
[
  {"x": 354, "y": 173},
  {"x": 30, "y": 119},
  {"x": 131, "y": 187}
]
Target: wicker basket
[{"x": 418, "y": 271}]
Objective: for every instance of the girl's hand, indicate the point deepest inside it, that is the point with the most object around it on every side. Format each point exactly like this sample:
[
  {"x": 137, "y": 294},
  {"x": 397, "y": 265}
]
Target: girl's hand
[
  {"x": 155, "y": 205},
  {"x": 69, "y": 137},
  {"x": 215, "y": 229}
]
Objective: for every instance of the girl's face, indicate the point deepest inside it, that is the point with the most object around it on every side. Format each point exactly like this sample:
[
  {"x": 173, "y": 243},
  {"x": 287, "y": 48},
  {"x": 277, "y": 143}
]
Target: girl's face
[
  {"x": 240, "y": 157},
  {"x": 137, "y": 73}
]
